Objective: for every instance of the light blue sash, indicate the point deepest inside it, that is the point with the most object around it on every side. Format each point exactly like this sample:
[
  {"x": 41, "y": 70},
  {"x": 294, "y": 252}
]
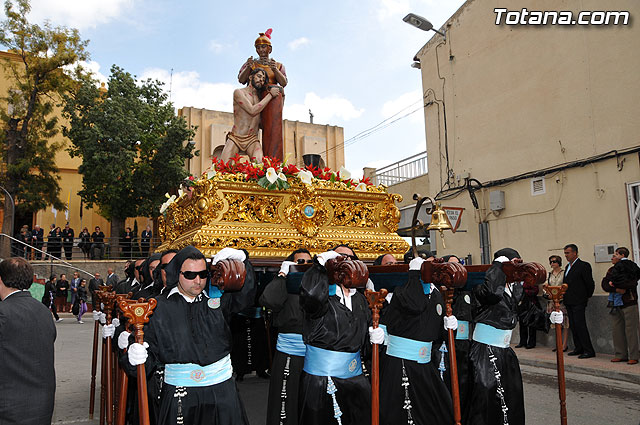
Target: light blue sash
[
  {"x": 337, "y": 364},
  {"x": 463, "y": 330},
  {"x": 409, "y": 349},
  {"x": 291, "y": 344},
  {"x": 489, "y": 335},
  {"x": 194, "y": 375}
]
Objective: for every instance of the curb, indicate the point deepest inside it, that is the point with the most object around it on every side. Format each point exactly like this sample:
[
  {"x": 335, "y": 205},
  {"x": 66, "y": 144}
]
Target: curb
[{"x": 609, "y": 374}]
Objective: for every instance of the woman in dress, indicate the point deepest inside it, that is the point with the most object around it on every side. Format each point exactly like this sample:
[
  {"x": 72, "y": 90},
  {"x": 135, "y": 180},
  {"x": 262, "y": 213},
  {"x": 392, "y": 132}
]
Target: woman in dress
[{"x": 556, "y": 278}]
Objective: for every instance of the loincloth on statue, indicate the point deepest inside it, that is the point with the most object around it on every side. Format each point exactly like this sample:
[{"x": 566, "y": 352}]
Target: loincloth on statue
[{"x": 243, "y": 142}]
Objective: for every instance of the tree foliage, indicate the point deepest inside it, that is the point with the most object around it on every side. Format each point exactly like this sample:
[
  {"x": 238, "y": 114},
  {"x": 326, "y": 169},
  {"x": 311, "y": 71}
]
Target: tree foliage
[
  {"x": 131, "y": 143},
  {"x": 39, "y": 73}
]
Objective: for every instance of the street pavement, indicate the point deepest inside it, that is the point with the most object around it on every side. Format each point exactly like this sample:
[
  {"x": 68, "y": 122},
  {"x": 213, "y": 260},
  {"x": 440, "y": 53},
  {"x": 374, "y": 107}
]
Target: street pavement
[{"x": 598, "y": 391}]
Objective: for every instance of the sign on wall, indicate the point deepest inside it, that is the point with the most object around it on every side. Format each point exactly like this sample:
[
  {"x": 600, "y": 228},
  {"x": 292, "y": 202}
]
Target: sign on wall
[{"x": 454, "y": 214}]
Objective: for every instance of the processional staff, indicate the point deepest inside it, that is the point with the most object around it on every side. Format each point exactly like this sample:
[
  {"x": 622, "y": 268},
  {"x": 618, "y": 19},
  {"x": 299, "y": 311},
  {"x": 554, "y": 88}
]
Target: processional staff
[
  {"x": 98, "y": 318},
  {"x": 94, "y": 356},
  {"x": 375, "y": 299},
  {"x": 138, "y": 314},
  {"x": 123, "y": 378},
  {"x": 108, "y": 299},
  {"x": 557, "y": 293}
]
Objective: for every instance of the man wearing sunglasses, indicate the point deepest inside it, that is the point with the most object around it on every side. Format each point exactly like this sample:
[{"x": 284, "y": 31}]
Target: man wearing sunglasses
[
  {"x": 189, "y": 335},
  {"x": 289, "y": 356}
]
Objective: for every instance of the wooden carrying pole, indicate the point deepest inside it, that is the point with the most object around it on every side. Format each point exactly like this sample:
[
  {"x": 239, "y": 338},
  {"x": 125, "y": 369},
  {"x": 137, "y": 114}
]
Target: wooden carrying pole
[
  {"x": 450, "y": 276},
  {"x": 556, "y": 293},
  {"x": 94, "y": 360},
  {"x": 138, "y": 314},
  {"x": 123, "y": 378},
  {"x": 108, "y": 301},
  {"x": 94, "y": 366},
  {"x": 375, "y": 299}
]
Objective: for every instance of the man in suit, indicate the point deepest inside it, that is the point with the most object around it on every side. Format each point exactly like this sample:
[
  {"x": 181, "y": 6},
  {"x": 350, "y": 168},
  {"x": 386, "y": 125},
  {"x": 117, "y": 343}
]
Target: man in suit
[
  {"x": 94, "y": 283},
  {"x": 112, "y": 279},
  {"x": 67, "y": 241},
  {"x": 37, "y": 240},
  {"x": 145, "y": 241},
  {"x": 27, "y": 335},
  {"x": 579, "y": 278}
]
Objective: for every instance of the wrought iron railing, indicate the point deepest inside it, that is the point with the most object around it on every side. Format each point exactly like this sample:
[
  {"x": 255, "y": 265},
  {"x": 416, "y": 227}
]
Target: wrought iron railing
[{"x": 108, "y": 249}]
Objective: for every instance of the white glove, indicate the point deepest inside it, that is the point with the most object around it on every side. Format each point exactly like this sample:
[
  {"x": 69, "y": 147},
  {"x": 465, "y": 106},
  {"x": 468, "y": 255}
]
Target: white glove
[
  {"x": 502, "y": 259},
  {"x": 137, "y": 353},
  {"x": 108, "y": 331},
  {"x": 326, "y": 256},
  {"x": 284, "y": 268},
  {"x": 116, "y": 322},
  {"x": 123, "y": 340},
  {"x": 96, "y": 314},
  {"x": 103, "y": 318},
  {"x": 229, "y": 254},
  {"x": 450, "y": 322},
  {"x": 416, "y": 263},
  {"x": 556, "y": 317},
  {"x": 376, "y": 336}
]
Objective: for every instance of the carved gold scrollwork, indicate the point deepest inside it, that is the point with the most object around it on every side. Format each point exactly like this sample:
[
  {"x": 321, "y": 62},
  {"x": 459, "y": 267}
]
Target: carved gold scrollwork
[
  {"x": 353, "y": 214},
  {"x": 306, "y": 211},
  {"x": 389, "y": 213},
  {"x": 248, "y": 208}
]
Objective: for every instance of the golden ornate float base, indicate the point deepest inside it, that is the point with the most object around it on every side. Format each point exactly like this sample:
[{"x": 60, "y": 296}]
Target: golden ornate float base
[{"x": 272, "y": 223}]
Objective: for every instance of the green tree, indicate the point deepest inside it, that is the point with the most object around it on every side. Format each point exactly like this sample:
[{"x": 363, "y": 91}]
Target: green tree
[
  {"x": 131, "y": 143},
  {"x": 38, "y": 75}
]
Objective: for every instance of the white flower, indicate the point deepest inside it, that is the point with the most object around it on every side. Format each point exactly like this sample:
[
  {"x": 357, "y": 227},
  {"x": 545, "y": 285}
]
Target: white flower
[
  {"x": 271, "y": 175},
  {"x": 344, "y": 174},
  {"x": 164, "y": 207},
  {"x": 305, "y": 176},
  {"x": 361, "y": 187},
  {"x": 211, "y": 174},
  {"x": 282, "y": 177}
]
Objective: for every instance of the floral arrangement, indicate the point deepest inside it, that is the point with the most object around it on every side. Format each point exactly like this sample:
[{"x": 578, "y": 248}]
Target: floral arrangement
[{"x": 270, "y": 174}]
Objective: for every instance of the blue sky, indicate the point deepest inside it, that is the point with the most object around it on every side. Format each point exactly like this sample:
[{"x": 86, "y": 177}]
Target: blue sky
[{"x": 348, "y": 61}]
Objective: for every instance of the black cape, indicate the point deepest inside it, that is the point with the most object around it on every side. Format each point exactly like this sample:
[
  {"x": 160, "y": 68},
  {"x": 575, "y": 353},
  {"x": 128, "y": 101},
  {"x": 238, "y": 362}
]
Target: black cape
[
  {"x": 330, "y": 325},
  {"x": 495, "y": 378},
  {"x": 415, "y": 315},
  {"x": 288, "y": 318}
]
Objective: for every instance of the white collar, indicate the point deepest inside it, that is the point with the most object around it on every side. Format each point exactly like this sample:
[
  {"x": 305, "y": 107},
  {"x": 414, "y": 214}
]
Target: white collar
[
  {"x": 186, "y": 298},
  {"x": 346, "y": 301}
]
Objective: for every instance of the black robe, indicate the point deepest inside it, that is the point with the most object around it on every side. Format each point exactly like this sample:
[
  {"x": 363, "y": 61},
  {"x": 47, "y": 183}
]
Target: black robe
[
  {"x": 183, "y": 332},
  {"x": 288, "y": 318},
  {"x": 496, "y": 381},
  {"x": 330, "y": 325},
  {"x": 418, "y": 316}
]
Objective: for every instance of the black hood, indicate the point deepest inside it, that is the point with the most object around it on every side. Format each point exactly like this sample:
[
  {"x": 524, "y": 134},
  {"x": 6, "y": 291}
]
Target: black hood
[
  {"x": 510, "y": 253},
  {"x": 175, "y": 265}
]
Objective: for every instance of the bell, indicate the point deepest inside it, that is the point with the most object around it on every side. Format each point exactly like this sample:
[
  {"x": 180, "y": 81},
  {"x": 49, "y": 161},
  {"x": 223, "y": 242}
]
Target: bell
[{"x": 439, "y": 221}]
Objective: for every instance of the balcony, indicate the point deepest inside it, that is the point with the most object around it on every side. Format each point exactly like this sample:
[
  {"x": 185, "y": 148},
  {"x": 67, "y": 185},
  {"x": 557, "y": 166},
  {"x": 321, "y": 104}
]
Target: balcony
[{"x": 401, "y": 171}]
